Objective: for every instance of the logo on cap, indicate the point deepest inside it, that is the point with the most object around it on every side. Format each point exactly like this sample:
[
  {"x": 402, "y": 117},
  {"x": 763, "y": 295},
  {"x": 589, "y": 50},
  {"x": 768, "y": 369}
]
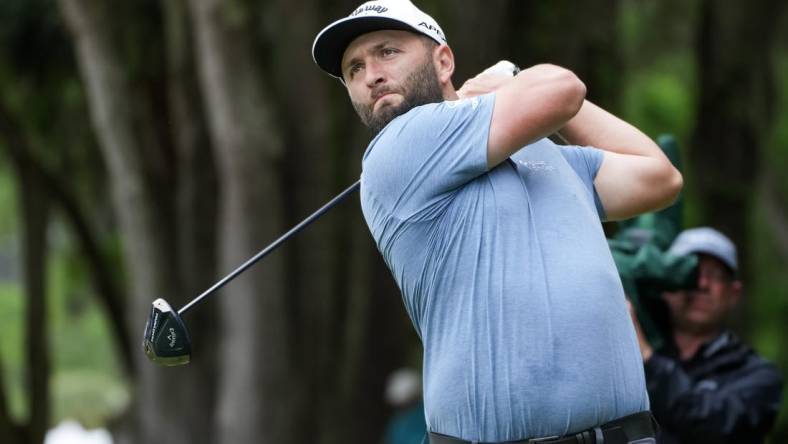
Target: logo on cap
[
  {"x": 432, "y": 28},
  {"x": 374, "y": 8}
]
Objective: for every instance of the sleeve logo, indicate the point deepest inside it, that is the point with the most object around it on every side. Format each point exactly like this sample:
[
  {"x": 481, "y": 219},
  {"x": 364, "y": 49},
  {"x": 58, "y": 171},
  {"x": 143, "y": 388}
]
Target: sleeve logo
[{"x": 473, "y": 101}]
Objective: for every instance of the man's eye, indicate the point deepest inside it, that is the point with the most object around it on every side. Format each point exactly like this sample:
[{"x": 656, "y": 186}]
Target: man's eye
[
  {"x": 354, "y": 69},
  {"x": 388, "y": 51}
]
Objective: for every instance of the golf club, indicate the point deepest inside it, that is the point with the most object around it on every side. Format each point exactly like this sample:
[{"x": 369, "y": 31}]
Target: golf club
[{"x": 166, "y": 339}]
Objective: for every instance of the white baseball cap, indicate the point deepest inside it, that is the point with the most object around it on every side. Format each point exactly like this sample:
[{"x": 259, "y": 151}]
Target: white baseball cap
[
  {"x": 707, "y": 241},
  {"x": 331, "y": 42}
]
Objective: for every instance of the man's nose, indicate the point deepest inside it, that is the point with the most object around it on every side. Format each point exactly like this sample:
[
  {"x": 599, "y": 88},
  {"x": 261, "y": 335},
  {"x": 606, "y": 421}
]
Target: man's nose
[
  {"x": 374, "y": 74},
  {"x": 704, "y": 280}
]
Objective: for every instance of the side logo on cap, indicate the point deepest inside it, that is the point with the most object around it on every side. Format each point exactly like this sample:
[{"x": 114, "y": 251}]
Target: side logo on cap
[
  {"x": 374, "y": 8},
  {"x": 432, "y": 28}
]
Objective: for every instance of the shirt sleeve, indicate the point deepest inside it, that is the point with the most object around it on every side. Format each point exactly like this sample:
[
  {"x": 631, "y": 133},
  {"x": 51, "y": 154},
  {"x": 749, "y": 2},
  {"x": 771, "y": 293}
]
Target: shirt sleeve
[
  {"x": 421, "y": 157},
  {"x": 586, "y": 162}
]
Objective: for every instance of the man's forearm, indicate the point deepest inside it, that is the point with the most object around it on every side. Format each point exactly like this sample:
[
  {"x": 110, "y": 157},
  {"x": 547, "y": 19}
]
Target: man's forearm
[
  {"x": 635, "y": 176},
  {"x": 593, "y": 126}
]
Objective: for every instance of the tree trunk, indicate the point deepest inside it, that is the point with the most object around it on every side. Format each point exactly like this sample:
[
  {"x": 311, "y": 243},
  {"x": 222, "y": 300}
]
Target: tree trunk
[
  {"x": 11, "y": 432},
  {"x": 35, "y": 210},
  {"x": 255, "y": 396},
  {"x": 196, "y": 208},
  {"x": 127, "y": 139},
  {"x": 347, "y": 324},
  {"x": 735, "y": 109},
  {"x": 314, "y": 258},
  {"x": 59, "y": 191},
  {"x": 587, "y": 44},
  {"x": 773, "y": 203},
  {"x": 34, "y": 203}
]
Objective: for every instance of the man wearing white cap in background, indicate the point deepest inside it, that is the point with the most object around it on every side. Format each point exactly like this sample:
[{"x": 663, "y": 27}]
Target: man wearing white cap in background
[
  {"x": 712, "y": 388},
  {"x": 493, "y": 232}
]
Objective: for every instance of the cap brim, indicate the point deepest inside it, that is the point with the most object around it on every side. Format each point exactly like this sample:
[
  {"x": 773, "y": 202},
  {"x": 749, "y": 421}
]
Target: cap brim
[
  {"x": 331, "y": 43},
  {"x": 715, "y": 254}
]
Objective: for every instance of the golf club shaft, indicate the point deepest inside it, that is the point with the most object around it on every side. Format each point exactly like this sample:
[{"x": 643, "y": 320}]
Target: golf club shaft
[{"x": 350, "y": 190}]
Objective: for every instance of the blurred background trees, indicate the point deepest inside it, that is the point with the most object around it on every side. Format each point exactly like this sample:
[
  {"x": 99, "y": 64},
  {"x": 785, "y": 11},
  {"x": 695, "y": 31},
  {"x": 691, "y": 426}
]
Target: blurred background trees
[{"x": 149, "y": 147}]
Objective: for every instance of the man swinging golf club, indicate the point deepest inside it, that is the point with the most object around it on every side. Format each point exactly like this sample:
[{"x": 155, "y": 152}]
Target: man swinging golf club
[{"x": 493, "y": 232}]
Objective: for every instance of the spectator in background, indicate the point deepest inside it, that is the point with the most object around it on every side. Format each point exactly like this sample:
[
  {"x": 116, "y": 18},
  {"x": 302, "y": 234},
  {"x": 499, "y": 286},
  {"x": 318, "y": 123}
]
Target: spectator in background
[
  {"x": 712, "y": 388},
  {"x": 403, "y": 392}
]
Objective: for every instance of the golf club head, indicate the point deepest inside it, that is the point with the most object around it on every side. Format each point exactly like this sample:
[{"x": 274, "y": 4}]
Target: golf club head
[{"x": 166, "y": 340}]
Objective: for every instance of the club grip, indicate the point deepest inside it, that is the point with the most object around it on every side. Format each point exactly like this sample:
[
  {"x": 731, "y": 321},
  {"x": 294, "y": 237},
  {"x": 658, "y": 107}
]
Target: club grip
[{"x": 503, "y": 67}]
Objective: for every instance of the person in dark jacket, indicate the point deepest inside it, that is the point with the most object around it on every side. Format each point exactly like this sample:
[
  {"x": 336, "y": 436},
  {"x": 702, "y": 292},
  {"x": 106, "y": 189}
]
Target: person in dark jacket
[{"x": 709, "y": 386}]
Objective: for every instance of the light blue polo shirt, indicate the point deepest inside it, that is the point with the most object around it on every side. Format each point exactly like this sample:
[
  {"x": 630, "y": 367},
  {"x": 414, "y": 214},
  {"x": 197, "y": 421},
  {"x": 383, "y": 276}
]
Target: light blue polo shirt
[{"x": 506, "y": 275}]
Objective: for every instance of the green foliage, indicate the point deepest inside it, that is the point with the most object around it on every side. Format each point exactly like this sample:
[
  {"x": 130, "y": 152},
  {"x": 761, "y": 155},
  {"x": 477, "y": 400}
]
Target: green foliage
[
  {"x": 33, "y": 38},
  {"x": 12, "y": 347},
  {"x": 767, "y": 302},
  {"x": 657, "y": 38},
  {"x": 776, "y": 155},
  {"x": 768, "y": 306},
  {"x": 8, "y": 212},
  {"x": 650, "y": 29},
  {"x": 660, "y": 101},
  {"x": 86, "y": 383},
  {"x": 88, "y": 396},
  {"x": 660, "y": 98},
  {"x": 40, "y": 85},
  {"x": 765, "y": 296}
]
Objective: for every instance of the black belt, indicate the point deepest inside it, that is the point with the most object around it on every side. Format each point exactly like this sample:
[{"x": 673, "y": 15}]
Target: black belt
[{"x": 619, "y": 431}]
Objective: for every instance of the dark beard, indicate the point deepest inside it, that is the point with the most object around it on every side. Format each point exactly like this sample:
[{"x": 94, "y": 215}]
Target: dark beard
[{"x": 420, "y": 88}]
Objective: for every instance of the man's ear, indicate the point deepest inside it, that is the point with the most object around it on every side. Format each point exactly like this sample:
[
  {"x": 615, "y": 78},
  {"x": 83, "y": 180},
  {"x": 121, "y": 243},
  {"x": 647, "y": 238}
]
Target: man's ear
[{"x": 443, "y": 58}]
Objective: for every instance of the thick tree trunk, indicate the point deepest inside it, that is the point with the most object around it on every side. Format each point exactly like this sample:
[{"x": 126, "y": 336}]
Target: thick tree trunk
[
  {"x": 347, "y": 324},
  {"x": 312, "y": 175},
  {"x": 34, "y": 218},
  {"x": 481, "y": 33},
  {"x": 11, "y": 432},
  {"x": 35, "y": 203},
  {"x": 196, "y": 208},
  {"x": 126, "y": 137},
  {"x": 61, "y": 194},
  {"x": 35, "y": 210},
  {"x": 587, "y": 43},
  {"x": 773, "y": 203},
  {"x": 478, "y": 32},
  {"x": 735, "y": 108},
  {"x": 255, "y": 393}
]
